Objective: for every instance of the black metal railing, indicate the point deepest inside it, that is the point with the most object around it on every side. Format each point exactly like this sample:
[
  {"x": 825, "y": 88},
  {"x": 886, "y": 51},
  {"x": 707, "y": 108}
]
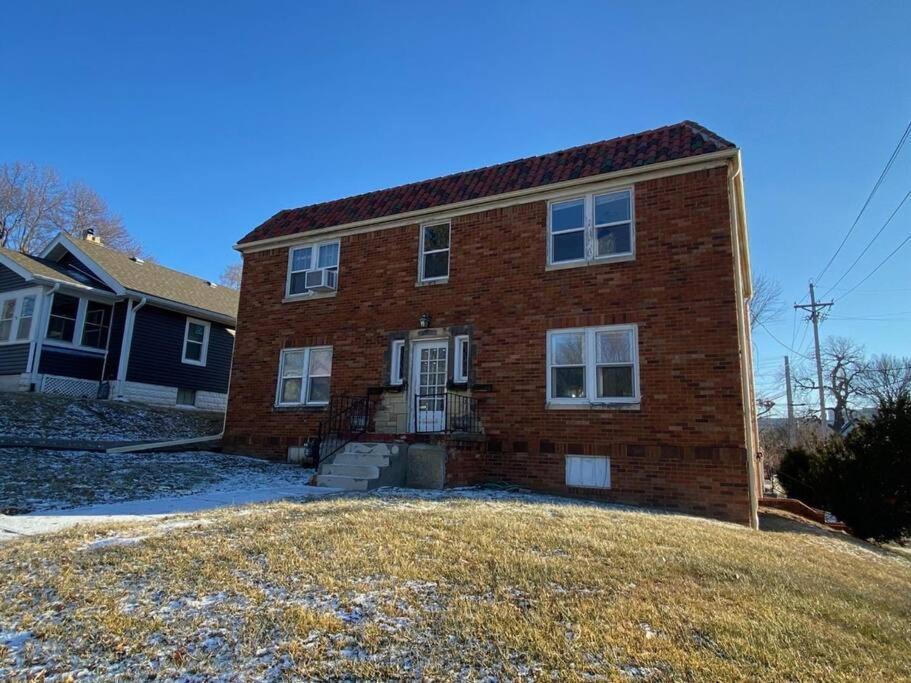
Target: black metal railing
[
  {"x": 446, "y": 412},
  {"x": 348, "y": 419}
]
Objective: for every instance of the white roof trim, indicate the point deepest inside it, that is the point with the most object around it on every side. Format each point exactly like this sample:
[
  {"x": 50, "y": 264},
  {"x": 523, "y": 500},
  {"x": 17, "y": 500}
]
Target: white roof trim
[
  {"x": 16, "y": 268},
  {"x": 70, "y": 245},
  {"x": 447, "y": 211}
]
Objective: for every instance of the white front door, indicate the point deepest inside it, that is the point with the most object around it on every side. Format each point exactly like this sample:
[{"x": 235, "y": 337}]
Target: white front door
[{"x": 428, "y": 382}]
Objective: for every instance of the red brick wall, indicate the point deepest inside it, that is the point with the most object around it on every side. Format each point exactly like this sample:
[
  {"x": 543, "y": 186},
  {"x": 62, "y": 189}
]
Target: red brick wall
[{"x": 685, "y": 446}]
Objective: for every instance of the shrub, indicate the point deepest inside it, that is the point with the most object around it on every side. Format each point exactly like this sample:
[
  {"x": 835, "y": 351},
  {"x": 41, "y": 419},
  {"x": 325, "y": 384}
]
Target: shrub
[
  {"x": 865, "y": 479},
  {"x": 801, "y": 472}
]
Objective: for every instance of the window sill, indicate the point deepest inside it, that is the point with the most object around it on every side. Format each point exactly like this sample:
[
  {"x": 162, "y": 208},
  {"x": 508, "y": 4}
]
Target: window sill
[
  {"x": 308, "y": 297},
  {"x": 299, "y": 408},
  {"x": 632, "y": 405},
  {"x": 430, "y": 283},
  {"x": 194, "y": 363},
  {"x": 72, "y": 347},
  {"x": 621, "y": 258}
]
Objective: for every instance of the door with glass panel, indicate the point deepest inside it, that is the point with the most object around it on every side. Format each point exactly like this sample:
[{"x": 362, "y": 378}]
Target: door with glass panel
[{"x": 428, "y": 381}]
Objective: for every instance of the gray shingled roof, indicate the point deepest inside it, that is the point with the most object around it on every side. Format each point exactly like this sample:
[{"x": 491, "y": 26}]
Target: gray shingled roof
[
  {"x": 40, "y": 267},
  {"x": 165, "y": 283}
]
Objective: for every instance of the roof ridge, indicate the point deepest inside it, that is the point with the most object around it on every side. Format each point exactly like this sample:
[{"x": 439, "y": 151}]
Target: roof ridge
[{"x": 454, "y": 174}]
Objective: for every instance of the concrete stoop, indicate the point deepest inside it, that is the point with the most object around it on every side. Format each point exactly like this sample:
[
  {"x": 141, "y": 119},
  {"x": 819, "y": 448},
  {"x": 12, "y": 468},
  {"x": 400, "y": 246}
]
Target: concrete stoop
[{"x": 362, "y": 466}]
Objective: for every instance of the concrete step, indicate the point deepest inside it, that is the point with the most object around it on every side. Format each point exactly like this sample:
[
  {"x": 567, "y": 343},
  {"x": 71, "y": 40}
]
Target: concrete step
[
  {"x": 338, "y": 481},
  {"x": 344, "y": 458},
  {"x": 355, "y": 471},
  {"x": 367, "y": 448}
]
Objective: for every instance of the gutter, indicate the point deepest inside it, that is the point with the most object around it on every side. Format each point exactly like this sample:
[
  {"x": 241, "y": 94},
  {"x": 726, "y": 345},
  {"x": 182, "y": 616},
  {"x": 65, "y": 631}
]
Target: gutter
[
  {"x": 204, "y": 313},
  {"x": 126, "y": 343},
  {"x": 480, "y": 204},
  {"x": 743, "y": 292}
]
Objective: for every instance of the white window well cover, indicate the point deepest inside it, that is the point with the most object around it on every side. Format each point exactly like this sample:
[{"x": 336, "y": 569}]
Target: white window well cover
[{"x": 588, "y": 471}]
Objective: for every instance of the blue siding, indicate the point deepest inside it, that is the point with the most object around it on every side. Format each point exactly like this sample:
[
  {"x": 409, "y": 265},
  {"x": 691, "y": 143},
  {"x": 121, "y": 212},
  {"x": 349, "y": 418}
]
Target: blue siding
[
  {"x": 155, "y": 356},
  {"x": 57, "y": 360},
  {"x": 13, "y": 359},
  {"x": 9, "y": 280}
]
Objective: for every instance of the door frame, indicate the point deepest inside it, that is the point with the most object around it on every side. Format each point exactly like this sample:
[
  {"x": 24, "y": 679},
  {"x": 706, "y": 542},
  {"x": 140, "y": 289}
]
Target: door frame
[{"x": 414, "y": 376}]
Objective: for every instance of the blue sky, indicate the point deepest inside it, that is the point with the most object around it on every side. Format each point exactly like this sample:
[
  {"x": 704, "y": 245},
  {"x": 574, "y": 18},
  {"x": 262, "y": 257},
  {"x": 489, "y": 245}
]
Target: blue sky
[{"x": 198, "y": 121}]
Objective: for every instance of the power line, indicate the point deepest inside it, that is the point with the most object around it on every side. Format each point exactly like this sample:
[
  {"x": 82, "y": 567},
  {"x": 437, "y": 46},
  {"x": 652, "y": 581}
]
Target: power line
[
  {"x": 881, "y": 264},
  {"x": 762, "y": 325},
  {"x": 879, "y": 182},
  {"x": 870, "y": 243}
]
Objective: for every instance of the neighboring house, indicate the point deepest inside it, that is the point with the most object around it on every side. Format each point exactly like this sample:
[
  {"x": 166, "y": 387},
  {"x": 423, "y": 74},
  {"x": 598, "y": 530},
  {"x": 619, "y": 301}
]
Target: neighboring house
[
  {"x": 85, "y": 320},
  {"x": 574, "y": 322}
]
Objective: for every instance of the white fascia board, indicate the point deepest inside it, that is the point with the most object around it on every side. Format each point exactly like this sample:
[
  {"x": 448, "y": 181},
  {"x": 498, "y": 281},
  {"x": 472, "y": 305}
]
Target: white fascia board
[
  {"x": 186, "y": 309},
  {"x": 16, "y": 268},
  {"x": 449, "y": 211},
  {"x": 65, "y": 241}
]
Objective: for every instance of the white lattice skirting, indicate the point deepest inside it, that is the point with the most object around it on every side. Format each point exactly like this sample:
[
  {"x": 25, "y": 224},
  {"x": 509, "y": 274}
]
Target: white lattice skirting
[{"x": 69, "y": 386}]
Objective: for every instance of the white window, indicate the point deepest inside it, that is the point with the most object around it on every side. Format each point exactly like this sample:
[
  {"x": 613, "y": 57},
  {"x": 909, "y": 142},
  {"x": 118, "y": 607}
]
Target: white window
[
  {"x": 7, "y": 315},
  {"x": 304, "y": 376},
  {"x": 26, "y": 313},
  {"x": 589, "y": 471},
  {"x": 397, "y": 364},
  {"x": 434, "y": 259},
  {"x": 593, "y": 365},
  {"x": 195, "y": 342},
  {"x": 592, "y": 227},
  {"x": 77, "y": 321},
  {"x": 460, "y": 365},
  {"x": 302, "y": 260}
]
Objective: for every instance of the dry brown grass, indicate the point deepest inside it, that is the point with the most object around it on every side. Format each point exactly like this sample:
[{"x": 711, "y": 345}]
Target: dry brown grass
[{"x": 391, "y": 588}]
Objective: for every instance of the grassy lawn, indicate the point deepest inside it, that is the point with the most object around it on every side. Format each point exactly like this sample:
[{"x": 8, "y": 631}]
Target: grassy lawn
[{"x": 382, "y": 587}]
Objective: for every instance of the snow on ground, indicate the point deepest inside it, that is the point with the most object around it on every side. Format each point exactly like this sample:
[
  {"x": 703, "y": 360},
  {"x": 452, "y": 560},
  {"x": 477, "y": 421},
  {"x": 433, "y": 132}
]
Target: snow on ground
[
  {"x": 61, "y": 417},
  {"x": 51, "y": 490}
]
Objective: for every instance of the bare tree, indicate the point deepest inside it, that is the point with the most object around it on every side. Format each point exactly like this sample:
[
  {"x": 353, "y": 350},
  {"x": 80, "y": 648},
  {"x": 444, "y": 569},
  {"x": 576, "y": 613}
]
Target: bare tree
[
  {"x": 84, "y": 208},
  {"x": 844, "y": 368},
  {"x": 35, "y": 204},
  {"x": 231, "y": 275},
  {"x": 765, "y": 305},
  {"x": 887, "y": 378},
  {"x": 31, "y": 205}
]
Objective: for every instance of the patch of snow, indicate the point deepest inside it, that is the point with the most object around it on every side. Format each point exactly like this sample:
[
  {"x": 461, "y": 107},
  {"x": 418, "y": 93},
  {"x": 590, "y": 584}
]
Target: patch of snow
[{"x": 113, "y": 541}]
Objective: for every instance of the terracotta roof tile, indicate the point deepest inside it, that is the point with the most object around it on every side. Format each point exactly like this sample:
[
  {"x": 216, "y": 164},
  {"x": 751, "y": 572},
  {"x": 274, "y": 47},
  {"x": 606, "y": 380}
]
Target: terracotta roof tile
[{"x": 679, "y": 141}]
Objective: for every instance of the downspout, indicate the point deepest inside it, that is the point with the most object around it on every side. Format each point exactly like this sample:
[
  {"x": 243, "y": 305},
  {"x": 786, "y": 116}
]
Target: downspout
[
  {"x": 107, "y": 352},
  {"x": 743, "y": 334},
  {"x": 127, "y": 343},
  {"x": 42, "y": 333}
]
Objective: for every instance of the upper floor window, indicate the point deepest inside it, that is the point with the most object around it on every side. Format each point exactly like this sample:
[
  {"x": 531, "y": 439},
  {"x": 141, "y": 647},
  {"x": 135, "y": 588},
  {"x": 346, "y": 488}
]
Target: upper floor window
[
  {"x": 16, "y": 315},
  {"x": 195, "y": 342},
  {"x": 591, "y": 227},
  {"x": 593, "y": 365},
  {"x": 434, "y": 258},
  {"x": 313, "y": 268},
  {"x": 304, "y": 375}
]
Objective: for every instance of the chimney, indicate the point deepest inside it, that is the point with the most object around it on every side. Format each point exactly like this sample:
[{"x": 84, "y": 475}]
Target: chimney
[{"x": 89, "y": 236}]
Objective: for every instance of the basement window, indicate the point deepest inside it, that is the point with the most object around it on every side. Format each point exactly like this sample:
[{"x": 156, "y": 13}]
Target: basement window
[
  {"x": 588, "y": 471},
  {"x": 186, "y": 397}
]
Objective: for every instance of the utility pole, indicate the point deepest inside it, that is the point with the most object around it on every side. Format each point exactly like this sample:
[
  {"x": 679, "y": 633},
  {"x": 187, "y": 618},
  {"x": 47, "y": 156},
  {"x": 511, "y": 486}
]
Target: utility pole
[
  {"x": 814, "y": 308},
  {"x": 792, "y": 431}
]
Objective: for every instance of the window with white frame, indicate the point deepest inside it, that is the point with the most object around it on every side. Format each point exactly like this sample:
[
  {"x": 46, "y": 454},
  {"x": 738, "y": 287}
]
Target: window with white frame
[
  {"x": 434, "y": 261},
  {"x": 304, "y": 376},
  {"x": 460, "y": 360},
  {"x": 397, "y": 362},
  {"x": 591, "y": 227},
  {"x": 82, "y": 322},
  {"x": 195, "y": 342},
  {"x": 7, "y": 316},
  {"x": 593, "y": 365},
  {"x": 308, "y": 258}
]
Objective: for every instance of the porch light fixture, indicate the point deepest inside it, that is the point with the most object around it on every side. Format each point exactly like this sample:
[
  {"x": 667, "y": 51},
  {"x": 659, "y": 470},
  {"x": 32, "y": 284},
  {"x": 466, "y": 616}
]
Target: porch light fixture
[{"x": 424, "y": 320}]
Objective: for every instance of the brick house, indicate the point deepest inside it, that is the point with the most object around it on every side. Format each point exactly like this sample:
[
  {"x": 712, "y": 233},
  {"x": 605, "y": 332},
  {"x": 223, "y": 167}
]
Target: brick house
[{"x": 575, "y": 322}]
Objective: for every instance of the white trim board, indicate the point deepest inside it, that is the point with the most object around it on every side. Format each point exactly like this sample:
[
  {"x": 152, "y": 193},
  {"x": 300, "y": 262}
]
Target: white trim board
[{"x": 597, "y": 183}]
